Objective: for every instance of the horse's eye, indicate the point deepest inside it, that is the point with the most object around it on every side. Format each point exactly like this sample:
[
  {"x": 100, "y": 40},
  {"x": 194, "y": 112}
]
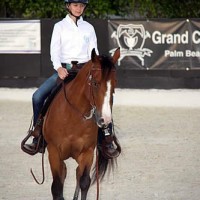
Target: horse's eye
[{"x": 95, "y": 84}]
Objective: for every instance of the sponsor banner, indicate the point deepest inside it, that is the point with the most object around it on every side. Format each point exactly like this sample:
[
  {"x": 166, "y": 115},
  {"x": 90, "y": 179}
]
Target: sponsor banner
[
  {"x": 157, "y": 44},
  {"x": 20, "y": 36}
]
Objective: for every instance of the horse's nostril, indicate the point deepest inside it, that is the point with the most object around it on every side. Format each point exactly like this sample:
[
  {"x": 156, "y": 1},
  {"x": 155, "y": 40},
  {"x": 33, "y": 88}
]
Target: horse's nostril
[{"x": 101, "y": 121}]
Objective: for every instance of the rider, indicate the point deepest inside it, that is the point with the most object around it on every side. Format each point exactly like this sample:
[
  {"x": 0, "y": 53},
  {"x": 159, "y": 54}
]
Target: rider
[{"x": 72, "y": 40}]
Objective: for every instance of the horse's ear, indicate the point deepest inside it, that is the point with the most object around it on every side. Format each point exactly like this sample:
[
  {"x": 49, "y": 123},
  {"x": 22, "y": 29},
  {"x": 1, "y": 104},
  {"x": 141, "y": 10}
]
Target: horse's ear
[
  {"x": 116, "y": 55},
  {"x": 93, "y": 55}
]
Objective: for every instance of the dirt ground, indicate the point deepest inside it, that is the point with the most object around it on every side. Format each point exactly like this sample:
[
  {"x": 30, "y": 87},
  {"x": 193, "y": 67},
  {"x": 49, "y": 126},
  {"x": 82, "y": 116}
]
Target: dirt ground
[{"x": 160, "y": 159}]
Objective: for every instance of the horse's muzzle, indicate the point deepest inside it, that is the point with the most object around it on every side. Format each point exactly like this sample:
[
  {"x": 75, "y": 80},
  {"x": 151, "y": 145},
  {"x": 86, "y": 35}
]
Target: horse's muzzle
[{"x": 102, "y": 123}]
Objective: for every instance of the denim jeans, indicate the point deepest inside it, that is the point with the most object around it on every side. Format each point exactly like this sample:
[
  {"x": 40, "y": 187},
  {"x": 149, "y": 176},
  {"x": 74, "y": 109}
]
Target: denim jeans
[{"x": 41, "y": 94}]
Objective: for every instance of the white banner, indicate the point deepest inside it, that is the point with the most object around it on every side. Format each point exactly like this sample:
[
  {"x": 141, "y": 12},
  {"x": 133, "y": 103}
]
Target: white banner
[{"x": 20, "y": 36}]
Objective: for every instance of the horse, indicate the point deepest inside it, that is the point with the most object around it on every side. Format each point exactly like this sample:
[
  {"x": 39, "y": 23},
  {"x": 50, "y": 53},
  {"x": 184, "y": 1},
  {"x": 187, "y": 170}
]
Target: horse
[{"x": 72, "y": 121}]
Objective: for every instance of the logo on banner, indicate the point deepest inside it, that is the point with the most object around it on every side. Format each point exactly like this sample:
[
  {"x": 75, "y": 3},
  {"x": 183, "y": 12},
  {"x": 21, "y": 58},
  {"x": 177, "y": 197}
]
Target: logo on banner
[{"x": 131, "y": 39}]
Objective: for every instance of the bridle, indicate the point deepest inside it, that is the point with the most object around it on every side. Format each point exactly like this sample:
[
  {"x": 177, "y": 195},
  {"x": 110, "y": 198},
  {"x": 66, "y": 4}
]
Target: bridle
[{"x": 92, "y": 83}]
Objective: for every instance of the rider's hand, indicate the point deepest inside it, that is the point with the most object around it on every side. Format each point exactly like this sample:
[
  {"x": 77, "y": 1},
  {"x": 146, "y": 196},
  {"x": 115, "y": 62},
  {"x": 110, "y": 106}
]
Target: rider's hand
[{"x": 62, "y": 73}]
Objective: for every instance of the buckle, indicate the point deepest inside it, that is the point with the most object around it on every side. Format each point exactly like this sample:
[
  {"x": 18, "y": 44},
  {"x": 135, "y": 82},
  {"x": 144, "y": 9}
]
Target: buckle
[
  {"x": 68, "y": 66},
  {"x": 106, "y": 132}
]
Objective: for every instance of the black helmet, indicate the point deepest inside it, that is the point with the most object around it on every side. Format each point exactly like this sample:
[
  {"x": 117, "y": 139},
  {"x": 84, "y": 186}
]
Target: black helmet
[{"x": 77, "y": 1}]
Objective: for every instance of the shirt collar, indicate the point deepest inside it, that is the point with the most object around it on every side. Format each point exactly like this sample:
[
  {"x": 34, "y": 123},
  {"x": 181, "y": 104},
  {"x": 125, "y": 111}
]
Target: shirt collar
[{"x": 69, "y": 19}]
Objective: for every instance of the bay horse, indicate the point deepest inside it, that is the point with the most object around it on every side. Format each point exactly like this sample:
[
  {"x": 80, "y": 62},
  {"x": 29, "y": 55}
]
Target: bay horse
[{"x": 72, "y": 121}]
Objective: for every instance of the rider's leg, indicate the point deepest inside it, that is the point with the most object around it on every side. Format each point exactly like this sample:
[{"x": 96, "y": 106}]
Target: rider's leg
[
  {"x": 41, "y": 94},
  {"x": 38, "y": 100}
]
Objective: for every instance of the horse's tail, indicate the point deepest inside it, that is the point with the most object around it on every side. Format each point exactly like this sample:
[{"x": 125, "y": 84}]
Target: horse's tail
[{"x": 104, "y": 164}]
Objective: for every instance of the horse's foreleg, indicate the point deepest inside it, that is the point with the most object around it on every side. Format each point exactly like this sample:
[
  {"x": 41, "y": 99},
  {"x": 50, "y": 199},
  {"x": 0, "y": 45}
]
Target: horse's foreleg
[
  {"x": 85, "y": 181},
  {"x": 59, "y": 171},
  {"x": 83, "y": 173}
]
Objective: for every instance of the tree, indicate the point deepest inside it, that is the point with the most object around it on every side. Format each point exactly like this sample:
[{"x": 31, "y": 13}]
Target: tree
[
  {"x": 103, "y": 9},
  {"x": 32, "y": 8}
]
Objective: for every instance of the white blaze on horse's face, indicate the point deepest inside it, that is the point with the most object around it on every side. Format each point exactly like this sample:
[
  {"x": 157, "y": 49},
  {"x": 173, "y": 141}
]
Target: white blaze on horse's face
[{"x": 106, "y": 108}]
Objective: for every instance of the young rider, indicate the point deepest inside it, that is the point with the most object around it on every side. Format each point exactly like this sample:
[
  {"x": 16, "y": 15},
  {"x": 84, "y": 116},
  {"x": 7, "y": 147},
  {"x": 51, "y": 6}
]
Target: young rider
[{"x": 72, "y": 40}]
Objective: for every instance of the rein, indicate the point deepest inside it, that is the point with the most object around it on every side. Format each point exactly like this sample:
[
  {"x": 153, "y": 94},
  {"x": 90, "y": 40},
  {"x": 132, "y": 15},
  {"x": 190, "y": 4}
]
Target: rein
[
  {"x": 92, "y": 102},
  {"x": 92, "y": 111},
  {"x": 97, "y": 173},
  {"x": 92, "y": 83},
  {"x": 43, "y": 174}
]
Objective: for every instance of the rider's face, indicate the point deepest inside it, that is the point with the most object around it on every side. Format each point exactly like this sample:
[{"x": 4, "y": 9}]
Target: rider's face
[{"x": 76, "y": 8}]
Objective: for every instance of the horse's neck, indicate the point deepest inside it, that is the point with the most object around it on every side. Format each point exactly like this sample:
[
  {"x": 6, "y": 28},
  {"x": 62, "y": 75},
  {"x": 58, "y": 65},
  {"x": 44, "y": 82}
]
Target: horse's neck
[{"x": 78, "y": 89}]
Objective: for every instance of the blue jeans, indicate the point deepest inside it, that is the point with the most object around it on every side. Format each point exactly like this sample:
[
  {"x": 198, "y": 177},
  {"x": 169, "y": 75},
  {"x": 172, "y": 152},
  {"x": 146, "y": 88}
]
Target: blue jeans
[{"x": 41, "y": 94}]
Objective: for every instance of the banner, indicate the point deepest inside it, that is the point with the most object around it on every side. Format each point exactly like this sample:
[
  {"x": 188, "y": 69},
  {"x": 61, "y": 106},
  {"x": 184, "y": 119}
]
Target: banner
[
  {"x": 20, "y": 36},
  {"x": 156, "y": 44}
]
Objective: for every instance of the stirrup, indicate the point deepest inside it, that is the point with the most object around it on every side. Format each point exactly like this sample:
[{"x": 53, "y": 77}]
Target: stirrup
[
  {"x": 109, "y": 142},
  {"x": 110, "y": 145},
  {"x": 37, "y": 149}
]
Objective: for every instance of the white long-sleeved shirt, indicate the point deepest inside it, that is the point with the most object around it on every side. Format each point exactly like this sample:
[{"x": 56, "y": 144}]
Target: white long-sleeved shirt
[{"x": 71, "y": 42}]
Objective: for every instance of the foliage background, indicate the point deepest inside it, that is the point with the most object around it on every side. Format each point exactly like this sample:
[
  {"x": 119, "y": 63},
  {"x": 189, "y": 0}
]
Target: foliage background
[{"x": 103, "y": 9}]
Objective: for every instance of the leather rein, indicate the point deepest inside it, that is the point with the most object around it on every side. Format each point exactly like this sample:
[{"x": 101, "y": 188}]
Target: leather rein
[{"x": 91, "y": 82}]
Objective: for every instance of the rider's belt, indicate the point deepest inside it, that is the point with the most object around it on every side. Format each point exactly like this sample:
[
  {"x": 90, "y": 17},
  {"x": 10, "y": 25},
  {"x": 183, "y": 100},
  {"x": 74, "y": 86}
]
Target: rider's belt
[{"x": 74, "y": 64}]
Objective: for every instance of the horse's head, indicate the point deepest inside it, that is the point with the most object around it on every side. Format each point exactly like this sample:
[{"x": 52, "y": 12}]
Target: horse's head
[{"x": 102, "y": 82}]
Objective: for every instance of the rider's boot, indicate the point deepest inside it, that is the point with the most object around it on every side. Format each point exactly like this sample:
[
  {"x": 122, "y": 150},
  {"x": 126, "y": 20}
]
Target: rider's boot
[
  {"x": 108, "y": 148},
  {"x": 37, "y": 140}
]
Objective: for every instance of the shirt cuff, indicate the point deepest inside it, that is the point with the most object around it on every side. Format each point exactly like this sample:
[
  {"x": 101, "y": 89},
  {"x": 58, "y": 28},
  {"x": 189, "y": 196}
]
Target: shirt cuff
[{"x": 56, "y": 66}]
